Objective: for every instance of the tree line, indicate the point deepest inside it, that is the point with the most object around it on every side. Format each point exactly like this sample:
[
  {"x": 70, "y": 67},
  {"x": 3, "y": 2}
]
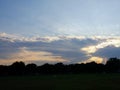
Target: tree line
[{"x": 19, "y": 68}]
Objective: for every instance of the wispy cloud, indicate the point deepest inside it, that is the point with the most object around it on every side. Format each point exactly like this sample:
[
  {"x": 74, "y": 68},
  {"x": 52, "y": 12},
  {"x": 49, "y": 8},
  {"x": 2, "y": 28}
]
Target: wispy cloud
[
  {"x": 115, "y": 41},
  {"x": 14, "y": 37},
  {"x": 28, "y": 56}
]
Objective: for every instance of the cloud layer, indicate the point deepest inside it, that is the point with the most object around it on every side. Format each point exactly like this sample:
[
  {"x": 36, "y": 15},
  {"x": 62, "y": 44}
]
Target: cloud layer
[{"x": 66, "y": 49}]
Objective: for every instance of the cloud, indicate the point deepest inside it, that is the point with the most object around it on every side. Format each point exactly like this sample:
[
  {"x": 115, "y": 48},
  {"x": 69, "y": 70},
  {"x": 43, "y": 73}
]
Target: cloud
[
  {"x": 32, "y": 56},
  {"x": 107, "y": 52},
  {"x": 19, "y": 38},
  {"x": 109, "y": 47},
  {"x": 95, "y": 59},
  {"x": 108, "y": 42},
  {"x": 68, "y": 49}
]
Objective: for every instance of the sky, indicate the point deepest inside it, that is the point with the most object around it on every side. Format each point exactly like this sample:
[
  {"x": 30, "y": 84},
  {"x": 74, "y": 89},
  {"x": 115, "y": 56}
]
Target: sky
[{"x": 51, "y": 31}]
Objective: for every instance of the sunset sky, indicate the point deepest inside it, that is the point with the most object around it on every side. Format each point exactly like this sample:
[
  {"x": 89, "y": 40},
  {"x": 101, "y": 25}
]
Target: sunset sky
[{"x": 51, "y": 31}]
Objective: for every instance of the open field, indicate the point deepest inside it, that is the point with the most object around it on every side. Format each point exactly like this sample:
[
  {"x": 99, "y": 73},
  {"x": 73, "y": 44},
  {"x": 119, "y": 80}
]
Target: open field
[{"x": 62, "y": 82}]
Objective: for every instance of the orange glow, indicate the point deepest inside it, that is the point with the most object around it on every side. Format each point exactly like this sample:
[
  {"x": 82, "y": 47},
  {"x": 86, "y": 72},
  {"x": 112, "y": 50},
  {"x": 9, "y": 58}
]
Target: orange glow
[
  {"x": 31, "y": 56},
  {"x": 95, "y": 59}
]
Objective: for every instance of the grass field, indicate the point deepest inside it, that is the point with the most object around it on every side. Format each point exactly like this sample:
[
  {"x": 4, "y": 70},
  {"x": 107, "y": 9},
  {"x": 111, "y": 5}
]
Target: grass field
[{"x": 62, "y": 82}]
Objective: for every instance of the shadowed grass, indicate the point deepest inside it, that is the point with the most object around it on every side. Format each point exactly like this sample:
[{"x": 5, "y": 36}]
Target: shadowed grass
[{"x": 62, "y": 82}]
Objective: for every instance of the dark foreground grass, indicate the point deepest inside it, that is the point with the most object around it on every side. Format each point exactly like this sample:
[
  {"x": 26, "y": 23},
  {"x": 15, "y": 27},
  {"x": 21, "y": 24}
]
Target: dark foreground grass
[{"x": 62, "y": 82}]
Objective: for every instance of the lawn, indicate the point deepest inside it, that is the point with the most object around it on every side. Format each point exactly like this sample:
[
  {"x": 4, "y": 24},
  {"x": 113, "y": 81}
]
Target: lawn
[{"x": 62, "y": 82}]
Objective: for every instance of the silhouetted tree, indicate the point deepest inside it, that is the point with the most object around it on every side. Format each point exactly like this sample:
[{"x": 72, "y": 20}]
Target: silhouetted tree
[
  {"x": 31, "y": 69},
  {"x": 4, "y": 70},
  {"x": 113, "y": 65},
  {"x": 59, "y": 68},
  {"x": 17, "y": 68},
  {"x": 45, "y": 69}
]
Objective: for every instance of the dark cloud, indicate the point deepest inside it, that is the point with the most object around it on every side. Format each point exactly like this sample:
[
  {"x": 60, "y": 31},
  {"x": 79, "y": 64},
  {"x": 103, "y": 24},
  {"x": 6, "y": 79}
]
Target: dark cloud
[
  {"x": 109, "y": 51},
  {"x": 66, "y": 47}
]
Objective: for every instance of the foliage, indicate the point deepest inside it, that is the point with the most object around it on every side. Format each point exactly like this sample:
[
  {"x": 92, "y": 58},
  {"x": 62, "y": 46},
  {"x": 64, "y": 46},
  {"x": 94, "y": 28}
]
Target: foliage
[{"x": 19, "y": 68}]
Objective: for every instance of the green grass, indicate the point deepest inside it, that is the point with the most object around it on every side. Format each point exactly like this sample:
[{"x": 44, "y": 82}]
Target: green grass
[{"x": 62, "y": 82}]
